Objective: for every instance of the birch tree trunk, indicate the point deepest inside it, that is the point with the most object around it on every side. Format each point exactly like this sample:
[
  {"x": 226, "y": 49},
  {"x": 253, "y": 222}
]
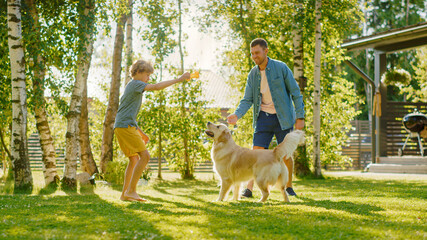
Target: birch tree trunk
[
  {"x": 86, "y": 29},
  {"x": 302, "y": 166},
  {"x": 129, "y": 50},
  {"x": 42, "y": 123},
  {"x": 46, "y": 141},
  {"x": 113, "y": 100},
  {"x": 316, "y": 93},
  {"x": 245, "y": 34},
  {"x": 19, "y": 150},
  {"x": 86, "y": 157}
]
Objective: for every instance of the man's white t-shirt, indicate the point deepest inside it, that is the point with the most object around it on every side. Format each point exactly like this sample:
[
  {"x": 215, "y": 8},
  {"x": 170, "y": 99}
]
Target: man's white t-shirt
[{"x": 267, "y": 104}]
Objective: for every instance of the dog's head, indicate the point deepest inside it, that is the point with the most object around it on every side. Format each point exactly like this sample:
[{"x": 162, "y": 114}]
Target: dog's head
[{"x": 219, "y": 132}]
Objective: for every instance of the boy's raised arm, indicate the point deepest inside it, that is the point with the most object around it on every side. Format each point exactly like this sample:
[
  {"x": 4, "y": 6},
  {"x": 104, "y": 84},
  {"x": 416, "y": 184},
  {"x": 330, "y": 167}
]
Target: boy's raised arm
[{"x": 165, "y": 84}]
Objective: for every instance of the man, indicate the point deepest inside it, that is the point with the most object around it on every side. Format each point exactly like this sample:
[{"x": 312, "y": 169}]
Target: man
[{"x": 273, "y": 92}]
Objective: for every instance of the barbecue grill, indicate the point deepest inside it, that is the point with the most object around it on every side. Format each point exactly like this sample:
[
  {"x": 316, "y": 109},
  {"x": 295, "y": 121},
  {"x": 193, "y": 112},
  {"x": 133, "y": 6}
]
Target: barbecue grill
[{"x": 414, "y": 123}]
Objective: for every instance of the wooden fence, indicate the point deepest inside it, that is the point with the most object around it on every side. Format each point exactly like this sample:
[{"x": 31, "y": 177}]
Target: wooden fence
[{"x": 358, "y": 147}]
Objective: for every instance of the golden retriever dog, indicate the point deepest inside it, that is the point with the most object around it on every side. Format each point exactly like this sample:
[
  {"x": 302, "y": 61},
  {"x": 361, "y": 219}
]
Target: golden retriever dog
[{"x": 235, "y": 164}]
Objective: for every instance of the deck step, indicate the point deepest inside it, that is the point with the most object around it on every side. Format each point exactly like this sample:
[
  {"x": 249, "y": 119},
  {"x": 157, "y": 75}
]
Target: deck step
[
  {"x": 404, "y": 160},
  {"x": 397, "y": 168}
]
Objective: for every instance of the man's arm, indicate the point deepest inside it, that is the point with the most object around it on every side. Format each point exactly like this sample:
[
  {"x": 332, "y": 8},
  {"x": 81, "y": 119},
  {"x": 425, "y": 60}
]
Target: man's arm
[
  {"x": 247, "y": 99},
  {"x": 295, "y": 92},
  {"x": 165, "y": 84}
]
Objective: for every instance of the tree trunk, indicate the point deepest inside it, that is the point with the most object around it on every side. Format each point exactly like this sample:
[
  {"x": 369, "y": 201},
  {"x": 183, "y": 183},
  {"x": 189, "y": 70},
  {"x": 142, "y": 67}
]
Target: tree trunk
[
  {"x": 316, "y": 104},
  {"x": 19, "y": 150},
  {"x": 160, "y": 147},
  {"x": 86, "y": 157},
  {"x": 113, "y": 100},
  {"x": 42, "y": 123},
  {"x": 86, "y": 31},
  {"x": 46, "y": 140},
  {"x": 302, "y": 165},
  {"x": 245, "y": 36},
  {"x": 159, "y": 156},
  {"x": 129, "y": 57},
  {"x": 368, "y": 87},
  {"x": 187, "y": 171}
]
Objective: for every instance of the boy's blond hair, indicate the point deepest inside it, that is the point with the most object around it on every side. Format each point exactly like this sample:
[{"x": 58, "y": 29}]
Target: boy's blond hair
[{"x": 141, "y": 66}]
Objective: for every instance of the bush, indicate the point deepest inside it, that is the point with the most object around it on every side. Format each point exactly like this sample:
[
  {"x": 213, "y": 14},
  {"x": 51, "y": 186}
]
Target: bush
[{"x": 116, "y": 171}]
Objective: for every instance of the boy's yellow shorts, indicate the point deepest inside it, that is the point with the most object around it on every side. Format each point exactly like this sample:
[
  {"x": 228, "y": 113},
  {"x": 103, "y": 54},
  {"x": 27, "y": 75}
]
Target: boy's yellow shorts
[{"x": 130, "y": 141}]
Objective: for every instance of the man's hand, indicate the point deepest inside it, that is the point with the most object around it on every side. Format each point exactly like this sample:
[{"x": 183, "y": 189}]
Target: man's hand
[
  {"x": 299, "y": 124},
  {"x": 232, "y": 119}
]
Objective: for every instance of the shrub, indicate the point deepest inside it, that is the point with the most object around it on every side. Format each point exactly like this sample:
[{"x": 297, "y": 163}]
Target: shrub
[{"x": 116, "y": 171}]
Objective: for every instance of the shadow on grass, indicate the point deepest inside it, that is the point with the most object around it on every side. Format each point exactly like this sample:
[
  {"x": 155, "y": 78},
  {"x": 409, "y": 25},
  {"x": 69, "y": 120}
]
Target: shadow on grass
[
  {"x": 74, "y": 216},
  {"x": 355, "y": 208}
]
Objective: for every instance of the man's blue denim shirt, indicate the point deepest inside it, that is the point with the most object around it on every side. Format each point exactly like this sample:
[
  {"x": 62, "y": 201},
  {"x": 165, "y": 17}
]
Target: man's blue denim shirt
[{"x": 285, "y": 93}]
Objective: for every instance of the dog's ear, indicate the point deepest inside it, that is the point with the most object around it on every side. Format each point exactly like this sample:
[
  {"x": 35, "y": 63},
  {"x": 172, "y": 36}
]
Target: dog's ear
[{"x": 224, "y": 137}]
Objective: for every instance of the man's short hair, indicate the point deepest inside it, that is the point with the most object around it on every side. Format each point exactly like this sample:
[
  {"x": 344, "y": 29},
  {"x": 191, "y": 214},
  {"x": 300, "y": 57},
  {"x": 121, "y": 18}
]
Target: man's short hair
[
  {"x": 141, "y": 66},
  {"x": 259, "y": 41}
]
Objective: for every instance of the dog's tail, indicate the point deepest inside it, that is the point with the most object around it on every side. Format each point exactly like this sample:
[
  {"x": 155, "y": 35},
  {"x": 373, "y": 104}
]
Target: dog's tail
[{"x": 289, "y": 144}]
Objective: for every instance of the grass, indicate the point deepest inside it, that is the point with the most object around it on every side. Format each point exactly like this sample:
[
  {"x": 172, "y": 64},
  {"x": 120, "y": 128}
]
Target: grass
[{"x": 339, "y": 207}]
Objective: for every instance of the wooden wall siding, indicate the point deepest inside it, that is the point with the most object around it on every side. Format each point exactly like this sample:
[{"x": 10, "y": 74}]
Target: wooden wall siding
[
  {"x": 395, "y": 132},
  {"x": 358, "y": 146},
  {"x": 200, "y": 167}
]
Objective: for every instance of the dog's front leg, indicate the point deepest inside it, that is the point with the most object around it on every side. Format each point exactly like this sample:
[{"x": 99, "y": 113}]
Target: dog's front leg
[
  {"x": 236, "y": 191},
  {"x": 225, "y": 187}
]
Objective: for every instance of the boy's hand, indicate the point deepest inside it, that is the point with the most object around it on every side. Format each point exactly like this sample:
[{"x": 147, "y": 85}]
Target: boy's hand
[
  {"x": 184, "y": 76},
  {"x": 144, "y": 136},
  {"x": 194, "y": 74}
]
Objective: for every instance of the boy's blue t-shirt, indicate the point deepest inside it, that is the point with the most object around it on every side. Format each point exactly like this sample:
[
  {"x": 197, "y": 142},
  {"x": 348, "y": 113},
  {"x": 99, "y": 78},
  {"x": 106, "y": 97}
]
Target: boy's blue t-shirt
[{"x": 130, "y": 103}]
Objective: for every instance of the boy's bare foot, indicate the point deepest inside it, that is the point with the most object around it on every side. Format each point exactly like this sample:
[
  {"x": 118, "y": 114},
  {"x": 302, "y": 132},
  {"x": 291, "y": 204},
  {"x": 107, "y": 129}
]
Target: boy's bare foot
[{"x": 132, "y": 197}]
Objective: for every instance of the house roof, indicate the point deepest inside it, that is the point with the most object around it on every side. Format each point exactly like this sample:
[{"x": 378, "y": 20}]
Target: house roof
[
  {"x": 216, "y": 90},
  {"x": 391, "y": 41}
]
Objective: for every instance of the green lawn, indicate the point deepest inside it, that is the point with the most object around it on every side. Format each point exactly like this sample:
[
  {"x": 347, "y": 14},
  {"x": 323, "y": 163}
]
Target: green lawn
[{"x": 340, "y": 207}]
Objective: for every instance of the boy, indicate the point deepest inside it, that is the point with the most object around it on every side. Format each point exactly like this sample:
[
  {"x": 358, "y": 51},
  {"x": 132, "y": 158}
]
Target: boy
[{"x": 129, "y": 135}]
